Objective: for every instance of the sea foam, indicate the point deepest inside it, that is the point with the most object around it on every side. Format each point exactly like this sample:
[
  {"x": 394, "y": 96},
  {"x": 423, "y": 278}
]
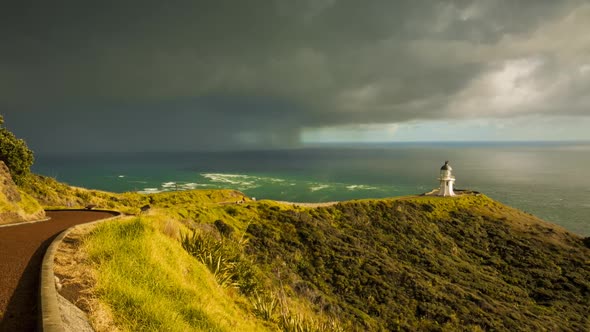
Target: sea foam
[{"x": 319, "y": 187}]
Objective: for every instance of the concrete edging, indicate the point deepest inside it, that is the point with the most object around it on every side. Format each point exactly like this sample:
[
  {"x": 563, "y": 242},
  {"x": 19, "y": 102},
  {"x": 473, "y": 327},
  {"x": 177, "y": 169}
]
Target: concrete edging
[{"x": 50, "y": 320}]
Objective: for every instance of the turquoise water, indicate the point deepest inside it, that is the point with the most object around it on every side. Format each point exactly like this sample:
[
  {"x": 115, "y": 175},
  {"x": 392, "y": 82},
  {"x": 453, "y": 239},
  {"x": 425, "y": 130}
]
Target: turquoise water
[{"x": 547, "y": 179}]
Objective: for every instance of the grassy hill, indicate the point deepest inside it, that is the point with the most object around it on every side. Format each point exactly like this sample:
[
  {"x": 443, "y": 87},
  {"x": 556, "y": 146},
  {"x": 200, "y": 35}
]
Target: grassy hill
[
  {"x": 410, "y": 263},
  {"x": 427, "y": 263}
]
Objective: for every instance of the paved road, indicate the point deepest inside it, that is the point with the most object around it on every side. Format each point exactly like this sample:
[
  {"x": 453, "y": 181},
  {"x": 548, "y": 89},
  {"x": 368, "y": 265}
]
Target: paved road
[{"x": 21, "y": 252}]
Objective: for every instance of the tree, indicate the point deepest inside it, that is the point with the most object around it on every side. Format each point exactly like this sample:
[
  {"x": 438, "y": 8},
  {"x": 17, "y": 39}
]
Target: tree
[{"x": 15, "y": 153}]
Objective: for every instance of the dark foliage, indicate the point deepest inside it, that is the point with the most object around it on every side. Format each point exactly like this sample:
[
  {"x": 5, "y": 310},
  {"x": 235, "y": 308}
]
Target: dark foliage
[
  {"x": 224, "y": 229},
  {"x": 411, "y": 265},
  {"x": 15, "y": 154}
]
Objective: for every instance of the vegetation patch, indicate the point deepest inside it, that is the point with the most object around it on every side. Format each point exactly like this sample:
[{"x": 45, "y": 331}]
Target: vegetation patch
[
  {"x": 226, "y": 259},
  {"x": 150, "y": 283},
  {"x": 426, "y": 264},
  {"x": 15, "y": 153},
  {"x": 15, "y": 204}
]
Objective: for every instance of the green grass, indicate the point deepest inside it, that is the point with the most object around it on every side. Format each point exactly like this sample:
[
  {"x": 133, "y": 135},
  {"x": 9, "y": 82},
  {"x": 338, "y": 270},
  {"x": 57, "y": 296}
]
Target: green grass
[{"x": 151, "y": 284}]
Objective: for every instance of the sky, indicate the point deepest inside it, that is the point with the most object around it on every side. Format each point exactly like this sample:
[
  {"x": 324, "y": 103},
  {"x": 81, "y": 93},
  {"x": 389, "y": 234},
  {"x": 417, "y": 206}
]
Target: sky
[{"x": 191, "y": 75}]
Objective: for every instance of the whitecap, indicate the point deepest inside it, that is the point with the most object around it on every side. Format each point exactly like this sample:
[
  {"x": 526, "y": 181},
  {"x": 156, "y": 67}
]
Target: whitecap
[
  {"x": 360, "y": 187},
  {"x": 149, "y": 191},
  {"x": 225, "y": 178},
  {"x": 319, "y": 187},
  {"x": 238, "y": 180},
  {"x": 192, "y": 185}
]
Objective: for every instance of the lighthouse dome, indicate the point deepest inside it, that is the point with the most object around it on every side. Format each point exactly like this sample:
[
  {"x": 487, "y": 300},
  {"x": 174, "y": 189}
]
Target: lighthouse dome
[{"x": 446, "y": 167}]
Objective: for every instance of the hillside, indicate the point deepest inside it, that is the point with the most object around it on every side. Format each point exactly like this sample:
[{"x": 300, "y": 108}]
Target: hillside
[
  {"x": 411, "y": 263},
  {"x": 15, "y": 204},
  {"x": 427, "y": 264}
]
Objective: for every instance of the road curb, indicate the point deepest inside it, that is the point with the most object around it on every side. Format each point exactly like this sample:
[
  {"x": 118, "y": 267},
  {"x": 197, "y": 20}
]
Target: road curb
[{"x": 50, "y": 320}]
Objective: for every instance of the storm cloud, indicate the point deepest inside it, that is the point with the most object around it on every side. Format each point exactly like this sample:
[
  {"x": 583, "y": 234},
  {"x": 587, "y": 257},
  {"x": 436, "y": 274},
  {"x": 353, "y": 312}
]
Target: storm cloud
[{"x": 221, "y": 74}]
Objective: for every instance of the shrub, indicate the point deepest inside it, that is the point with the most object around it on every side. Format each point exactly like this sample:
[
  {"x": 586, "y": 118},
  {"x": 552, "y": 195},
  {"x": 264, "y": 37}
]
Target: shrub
[
  {"x": 232, "y": 211},
  {"x": 224, "y": 229},
  {"x": 15, "y": 154},
  {"x": 264, "y": 305},
  {"x": 225, "y": 259},
  {"x": 289, "y": 322}
]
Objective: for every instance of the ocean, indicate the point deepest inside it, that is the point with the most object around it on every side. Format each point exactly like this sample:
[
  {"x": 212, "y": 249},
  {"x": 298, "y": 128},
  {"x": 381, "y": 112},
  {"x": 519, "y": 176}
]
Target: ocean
[{"x": 550, "y": 180}]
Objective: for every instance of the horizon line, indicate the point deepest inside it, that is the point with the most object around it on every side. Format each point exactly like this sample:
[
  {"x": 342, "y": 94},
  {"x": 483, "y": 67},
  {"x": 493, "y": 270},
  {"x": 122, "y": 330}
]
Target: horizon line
[{"x": 322, "y": 144}]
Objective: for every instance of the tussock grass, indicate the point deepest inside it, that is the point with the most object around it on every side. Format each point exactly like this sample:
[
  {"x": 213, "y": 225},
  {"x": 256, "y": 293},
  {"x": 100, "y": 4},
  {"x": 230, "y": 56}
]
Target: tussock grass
[
  {"x": 299, "y": 323},
  {"x": 226, "y": 259},
  {"x": 151, "y": 284},
  {"x": 264, "y": 305}
]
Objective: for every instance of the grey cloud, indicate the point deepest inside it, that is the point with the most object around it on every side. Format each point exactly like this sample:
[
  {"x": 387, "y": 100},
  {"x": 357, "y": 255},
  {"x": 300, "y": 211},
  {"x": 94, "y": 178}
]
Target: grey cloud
[{"x": 259, "y": 71}]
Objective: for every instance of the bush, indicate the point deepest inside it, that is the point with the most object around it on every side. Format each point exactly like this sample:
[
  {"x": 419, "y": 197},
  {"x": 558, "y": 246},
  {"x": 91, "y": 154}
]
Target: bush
[
  {"x": 225, "y": 259},
  {"x": 224, "y": 229},
  {"x": 15, "y": 154}
]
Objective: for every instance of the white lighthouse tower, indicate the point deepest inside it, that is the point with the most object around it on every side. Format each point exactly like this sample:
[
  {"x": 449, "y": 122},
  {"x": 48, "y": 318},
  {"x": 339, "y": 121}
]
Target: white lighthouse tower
[{"x": 446, "y": 180}]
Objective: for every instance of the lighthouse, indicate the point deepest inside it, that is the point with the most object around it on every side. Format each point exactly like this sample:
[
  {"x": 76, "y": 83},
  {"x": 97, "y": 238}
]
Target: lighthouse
[{"x": 446, "y": 180}]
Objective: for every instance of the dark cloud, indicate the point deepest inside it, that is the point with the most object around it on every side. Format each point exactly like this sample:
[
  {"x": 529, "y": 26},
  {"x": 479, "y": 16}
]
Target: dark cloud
[{"x": 212, "y": 74}]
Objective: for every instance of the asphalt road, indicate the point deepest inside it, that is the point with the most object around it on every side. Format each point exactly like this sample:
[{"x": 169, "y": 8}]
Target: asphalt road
[{"x": 21, "y": 252}]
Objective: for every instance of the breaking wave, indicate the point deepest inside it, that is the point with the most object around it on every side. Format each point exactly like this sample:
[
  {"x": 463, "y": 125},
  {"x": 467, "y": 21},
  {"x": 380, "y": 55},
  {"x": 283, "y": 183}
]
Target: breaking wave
[
  {"x": 264, "y": 186},
  {"x": 360, "y": 187},
  {"x": 317, "y": 187}
]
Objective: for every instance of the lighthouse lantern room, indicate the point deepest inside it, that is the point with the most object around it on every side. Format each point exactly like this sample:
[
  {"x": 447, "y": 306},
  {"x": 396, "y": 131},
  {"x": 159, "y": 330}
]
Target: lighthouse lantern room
[{"x": 446, "y": 180}]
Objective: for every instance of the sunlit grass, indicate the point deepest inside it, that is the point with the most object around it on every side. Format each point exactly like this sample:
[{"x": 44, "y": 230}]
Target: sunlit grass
[
  {"x": 28, "y": 204},
  {"x": 151, "y": 284},
  {"x": 25, "y": 208}
]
